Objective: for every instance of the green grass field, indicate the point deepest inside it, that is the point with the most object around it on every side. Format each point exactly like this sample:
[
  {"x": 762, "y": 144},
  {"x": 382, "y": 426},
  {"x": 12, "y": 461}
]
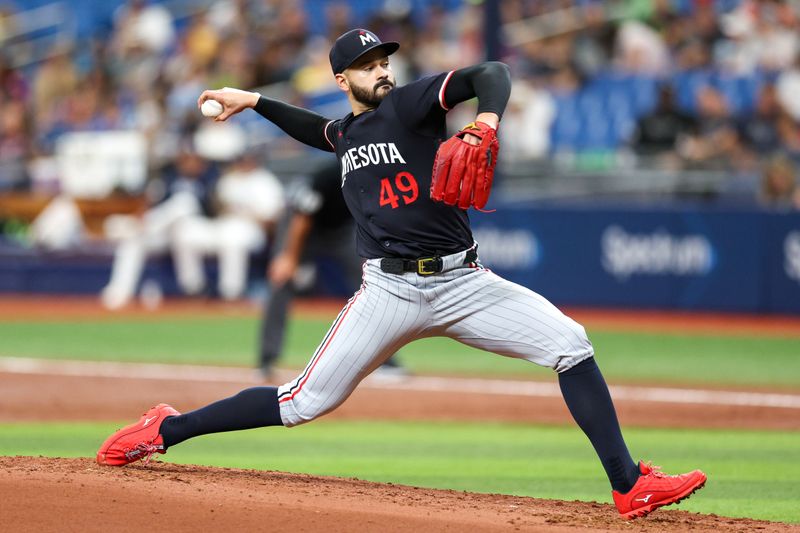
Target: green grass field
[
  {"x": 752, "y": 473},
  {"x": 623, "y": 356}
]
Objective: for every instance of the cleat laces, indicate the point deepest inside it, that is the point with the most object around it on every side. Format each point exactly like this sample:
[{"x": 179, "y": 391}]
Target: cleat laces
[
  {"x": 148, "y": 450},
  {"x": 655, "y": 471},
  {"x": 143, "y": 451}
]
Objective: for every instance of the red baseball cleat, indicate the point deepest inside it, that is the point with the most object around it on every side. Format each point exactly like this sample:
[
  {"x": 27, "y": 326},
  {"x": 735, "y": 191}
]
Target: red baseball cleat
[
  {"x": 655, "y": 489},
  {"x": 137, "y": 441}
]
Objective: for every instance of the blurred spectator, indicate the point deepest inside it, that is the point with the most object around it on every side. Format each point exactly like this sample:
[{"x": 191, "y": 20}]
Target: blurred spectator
[
  {"x": 140, "y": 25},
  {"x": 705, "y": 24},
  {"x": 142, "y": 35},
  {"x": 762, "y": 35},
  {"x": 640, "y": 49},
  {"x": 185, "y": 193},
  {"x": 714, "y": 143},
  {"x": 526, "y": 123},
  {"x": 14, "y": 146},
  {"x": 738, "y": 51},
  {"x": 13, "y": 86},
  {"x": 339, "y": 17},
  {"x": 789, "y": 130},
  {"x": 788, "y": 87},
  {"x": 760, "y": 132},
  {"x": 692, "y": 55},
  {"x": 315, "y": 75},
  {"x": 565, "y": 81},
  {"x": 776, "y": 35},
  {"x": 593, "y": 47},
  {"x": 202, "y": 41},
  {"x": 6, "y": 25},
  {"x": 54, "y": 81},
  {"x": 181, "y": 99},
  {"x": 228, "y": 17},
  {"x": 657, "y": 134},
  {"x": 87, "y": 108},
  {"x": 271, "y": 63},
  {"x": 232, "y": 67},
  {"x": 248, "y": 200},
  {"x": 447, "y": 41},
  {"x": 779, "y": 187}
]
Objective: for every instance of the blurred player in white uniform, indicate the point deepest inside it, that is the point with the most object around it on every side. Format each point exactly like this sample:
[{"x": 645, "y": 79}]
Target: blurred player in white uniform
[
  {"x": 249, "y": 199},
  {"x": 185, "y": 194}
]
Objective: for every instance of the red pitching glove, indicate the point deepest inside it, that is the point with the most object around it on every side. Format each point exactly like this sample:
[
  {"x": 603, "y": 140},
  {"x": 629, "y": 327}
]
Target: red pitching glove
[{"x": 463, "y": 172}]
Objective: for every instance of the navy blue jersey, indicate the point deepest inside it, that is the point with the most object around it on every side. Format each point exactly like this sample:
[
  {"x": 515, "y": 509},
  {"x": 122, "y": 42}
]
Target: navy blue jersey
[{"x": 386, "y": 158}]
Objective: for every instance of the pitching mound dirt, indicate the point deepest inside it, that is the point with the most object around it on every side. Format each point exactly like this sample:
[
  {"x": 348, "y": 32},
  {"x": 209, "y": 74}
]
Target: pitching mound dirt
[{"x": 46, "y": 494}]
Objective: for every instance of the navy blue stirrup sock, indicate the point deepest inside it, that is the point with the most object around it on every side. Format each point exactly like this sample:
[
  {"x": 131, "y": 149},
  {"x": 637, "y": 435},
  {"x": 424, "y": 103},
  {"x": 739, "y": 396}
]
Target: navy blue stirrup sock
[
  {"x": 586, "y": 395},
  {"x": 252, "y": 408}
]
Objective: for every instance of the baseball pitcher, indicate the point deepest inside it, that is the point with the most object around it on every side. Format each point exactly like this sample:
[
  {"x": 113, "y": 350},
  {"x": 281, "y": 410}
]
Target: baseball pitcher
[{"x": 409, "y": 194}]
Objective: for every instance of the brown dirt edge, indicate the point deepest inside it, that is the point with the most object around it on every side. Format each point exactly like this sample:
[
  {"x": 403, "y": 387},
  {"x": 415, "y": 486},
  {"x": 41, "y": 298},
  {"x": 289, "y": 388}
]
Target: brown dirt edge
[
  {"x": 43, "y": 398},
  {"x": 173, "y": 497},
  {"x": 76, "y": 308}
]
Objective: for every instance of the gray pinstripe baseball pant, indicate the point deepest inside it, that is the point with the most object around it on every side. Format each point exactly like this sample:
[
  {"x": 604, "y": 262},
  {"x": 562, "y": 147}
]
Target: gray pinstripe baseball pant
[{"x": 467, "y": 303}]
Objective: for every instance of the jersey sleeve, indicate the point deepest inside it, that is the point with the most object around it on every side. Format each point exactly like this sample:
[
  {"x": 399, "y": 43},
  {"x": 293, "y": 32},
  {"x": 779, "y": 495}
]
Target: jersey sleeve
[
  {"x": 420, "y": 105},
  {"x": 329, "y": 132}
]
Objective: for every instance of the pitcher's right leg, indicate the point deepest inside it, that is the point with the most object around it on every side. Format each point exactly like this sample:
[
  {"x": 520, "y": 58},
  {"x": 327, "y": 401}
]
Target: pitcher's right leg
[{"x": 385, "y": 314}]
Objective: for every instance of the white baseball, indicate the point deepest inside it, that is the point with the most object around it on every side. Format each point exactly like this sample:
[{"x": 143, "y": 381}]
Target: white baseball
[{"x": 211, "y": 108}]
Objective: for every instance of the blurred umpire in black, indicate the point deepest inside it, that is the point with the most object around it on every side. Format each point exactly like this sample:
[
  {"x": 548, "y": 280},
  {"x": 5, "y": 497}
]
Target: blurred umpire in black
[{"x": 317, "y": 225}]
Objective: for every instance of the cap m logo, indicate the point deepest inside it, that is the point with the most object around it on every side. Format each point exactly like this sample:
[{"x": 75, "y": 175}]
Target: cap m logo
[{"x": 366, "y": 38}]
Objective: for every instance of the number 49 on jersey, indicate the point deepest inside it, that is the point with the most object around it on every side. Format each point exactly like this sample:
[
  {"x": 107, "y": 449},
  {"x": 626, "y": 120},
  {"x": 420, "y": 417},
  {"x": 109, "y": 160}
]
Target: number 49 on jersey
[{"x": 403, "y": 182}]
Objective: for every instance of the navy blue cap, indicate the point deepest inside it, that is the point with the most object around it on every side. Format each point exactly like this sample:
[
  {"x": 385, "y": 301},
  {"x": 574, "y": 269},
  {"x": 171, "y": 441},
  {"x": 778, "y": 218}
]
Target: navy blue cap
[{"x": 354, "y": 44}]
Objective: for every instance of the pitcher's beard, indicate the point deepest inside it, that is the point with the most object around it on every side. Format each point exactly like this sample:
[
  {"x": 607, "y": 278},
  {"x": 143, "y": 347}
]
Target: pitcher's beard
[{"x": 371, "y": 98}]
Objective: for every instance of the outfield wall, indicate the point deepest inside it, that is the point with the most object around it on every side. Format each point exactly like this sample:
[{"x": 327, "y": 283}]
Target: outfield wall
[
  {"x": 665, "y": 256},
  {"x": 670, "y": 256}
]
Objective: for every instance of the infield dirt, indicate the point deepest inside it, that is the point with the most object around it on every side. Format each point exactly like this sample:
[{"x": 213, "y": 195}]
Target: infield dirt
[{"x": 82, "y": 496}]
